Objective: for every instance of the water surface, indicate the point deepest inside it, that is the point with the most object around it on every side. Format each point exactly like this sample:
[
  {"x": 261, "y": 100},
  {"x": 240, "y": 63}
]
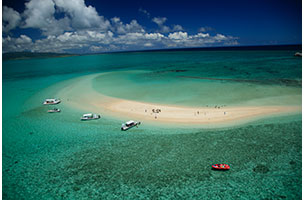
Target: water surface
[{"x": 56, "y": 156}]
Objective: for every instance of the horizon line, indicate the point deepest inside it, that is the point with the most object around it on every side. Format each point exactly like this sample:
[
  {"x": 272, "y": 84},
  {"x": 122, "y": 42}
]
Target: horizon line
[{"x": 250, "y": 47}]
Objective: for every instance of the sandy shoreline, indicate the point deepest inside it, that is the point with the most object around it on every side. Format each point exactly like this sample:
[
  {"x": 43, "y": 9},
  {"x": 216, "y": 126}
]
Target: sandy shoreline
[{"x": 79, "y": 94}]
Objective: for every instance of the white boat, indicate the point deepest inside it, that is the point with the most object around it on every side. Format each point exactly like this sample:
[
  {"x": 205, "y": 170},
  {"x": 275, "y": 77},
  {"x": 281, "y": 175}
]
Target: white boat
[
  {"x": 89, "y": 116},
  {"x": 129, "y": 124},
  {"x": 298, "y": 54},
  {"x": 54, "y": 110},
  {"x": 51, "y": 101}
]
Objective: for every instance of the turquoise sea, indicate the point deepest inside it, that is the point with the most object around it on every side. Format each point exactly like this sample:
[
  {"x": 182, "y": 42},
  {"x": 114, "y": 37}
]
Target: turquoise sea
[{"x": 56, "y": 156}]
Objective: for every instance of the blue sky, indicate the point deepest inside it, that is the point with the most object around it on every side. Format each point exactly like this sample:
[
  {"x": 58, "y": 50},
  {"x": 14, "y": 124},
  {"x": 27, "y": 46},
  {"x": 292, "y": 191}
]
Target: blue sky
[{"x": 91, "y": 26}]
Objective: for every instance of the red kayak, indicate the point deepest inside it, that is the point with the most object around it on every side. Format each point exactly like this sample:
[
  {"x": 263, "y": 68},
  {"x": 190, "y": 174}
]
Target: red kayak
[{"x": 221, "y": 166}]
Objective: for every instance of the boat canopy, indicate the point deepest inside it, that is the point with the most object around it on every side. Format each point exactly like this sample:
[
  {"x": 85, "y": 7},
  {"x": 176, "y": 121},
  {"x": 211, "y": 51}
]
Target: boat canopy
[
  {"x": 50, "y": 99},
  {"x": 129, "y": 122},
  {"x": 87, "y": 115}
]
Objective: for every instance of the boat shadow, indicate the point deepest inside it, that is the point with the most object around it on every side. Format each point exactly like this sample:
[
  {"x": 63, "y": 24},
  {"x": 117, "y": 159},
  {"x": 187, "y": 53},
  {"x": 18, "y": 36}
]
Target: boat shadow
[{"x": 219, "y": 170}]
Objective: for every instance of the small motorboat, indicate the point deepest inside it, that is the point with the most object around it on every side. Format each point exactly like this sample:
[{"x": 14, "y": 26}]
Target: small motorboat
[
  {"x": 221, "y": 166},
  {"x": 54, "y": 110},
  {"x": 89, "y": 116},
  {"x": 298, "y": 54},
  {"x": 129, "y": 124},
  {"x": 51, "y": 101}
]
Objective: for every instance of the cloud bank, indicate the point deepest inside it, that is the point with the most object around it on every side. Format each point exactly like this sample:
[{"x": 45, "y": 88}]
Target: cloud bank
[
  {"x": 72, "y": 26},
  {"x": 10, "y": 19}
]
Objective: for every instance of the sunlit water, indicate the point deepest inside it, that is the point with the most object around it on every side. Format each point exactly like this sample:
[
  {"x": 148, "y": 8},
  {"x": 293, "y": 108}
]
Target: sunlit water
[{"x": 56, "y": 156}]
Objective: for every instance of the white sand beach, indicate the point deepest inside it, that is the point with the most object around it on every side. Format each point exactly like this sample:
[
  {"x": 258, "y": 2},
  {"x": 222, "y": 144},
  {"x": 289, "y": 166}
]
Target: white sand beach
[{"x": 79, "y": 94}]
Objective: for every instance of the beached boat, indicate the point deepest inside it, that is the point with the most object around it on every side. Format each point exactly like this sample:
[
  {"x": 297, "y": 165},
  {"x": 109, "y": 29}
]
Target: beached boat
[
  {"x": 51, "y": 101},
  {"x": 129, "y": 124},
  {"x": 221, "y": 166},
  {"x": 54, "y": 110},
  {"x": 89, "y": 116}
]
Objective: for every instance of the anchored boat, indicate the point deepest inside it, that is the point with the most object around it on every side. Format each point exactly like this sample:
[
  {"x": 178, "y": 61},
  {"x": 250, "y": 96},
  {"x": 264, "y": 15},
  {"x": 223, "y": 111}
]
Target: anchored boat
[
  {"x": 51, "y": 101},
  {"x": 89, "y": 116},
  {"x": 129, "y": 124},
  {"x": 221, "y": 166},
  {"x": 54, "y": 110}
]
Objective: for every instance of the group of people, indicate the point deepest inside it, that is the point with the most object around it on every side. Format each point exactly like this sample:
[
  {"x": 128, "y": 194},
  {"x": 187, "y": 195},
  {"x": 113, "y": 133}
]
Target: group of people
[{"x": 156, "y": 110}]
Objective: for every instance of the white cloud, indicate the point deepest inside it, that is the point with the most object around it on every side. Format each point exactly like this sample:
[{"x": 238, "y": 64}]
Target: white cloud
[
  {"x": 177, "y": 28},
  {"x": 148, "y": 44},
  {"x": 82, "y": 16},
  {"x": 163, "y": 28},
  {"x": 10, "y": 19},
  {"x": 154, "y": 36},
  {"x": 139, "y": 38},
  {"x": 23, "y": 43},
  {"x": 178, "y": 35},
  {"x": 119, "y": 27},
  {"x": 144, "y": 12},
  {"x": 62, "y": 43},
  {"x": 96, "y": 41},
  {"x": 220, "y": 37},
  {"x": 23, "y": 39},
  {"x": 183, "y": 39},
  {"x": 133, "y": 26},
  {"x": 82, "y": 29},
  {"x": 40, "y": 14},
  {"x": 205, "y": 29},
  {"x": 115, "y": 20},
  {"x": 202, "y": 29},
  {"x": 159, "y": 20},
  {"x": 96, "y": 48},
  {"x": 201, "y": 35}
]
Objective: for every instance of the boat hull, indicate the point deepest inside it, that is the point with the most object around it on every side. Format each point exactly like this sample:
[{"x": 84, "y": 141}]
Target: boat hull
[
  {"x": 125, "y": 128},
  {"x": 54, "y": 111},
  {"x": 51, "y": 103},
  {"x": 221, "y": 167},
  {"x": 86, "y": 119}
]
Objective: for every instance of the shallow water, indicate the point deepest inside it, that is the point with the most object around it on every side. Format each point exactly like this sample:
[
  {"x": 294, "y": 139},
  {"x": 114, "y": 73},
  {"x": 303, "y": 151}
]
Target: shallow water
[
  {"x": 170, "y": 88},
  {"x": 56, "y": 156}
]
